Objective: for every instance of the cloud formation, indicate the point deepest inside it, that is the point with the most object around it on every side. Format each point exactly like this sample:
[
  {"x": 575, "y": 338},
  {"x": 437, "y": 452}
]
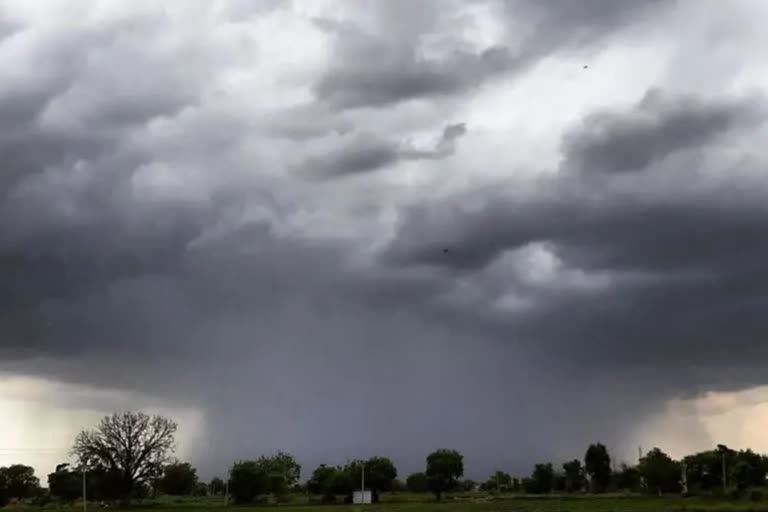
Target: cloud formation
[{"x": 499, "y": 270}]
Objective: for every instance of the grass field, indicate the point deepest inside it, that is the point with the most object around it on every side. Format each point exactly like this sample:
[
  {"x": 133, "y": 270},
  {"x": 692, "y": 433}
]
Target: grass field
[{"x": 466, "y": 503}]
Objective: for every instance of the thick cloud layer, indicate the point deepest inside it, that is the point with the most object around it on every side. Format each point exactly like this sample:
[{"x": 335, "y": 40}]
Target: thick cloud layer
[{"x": 326, "y": 228}]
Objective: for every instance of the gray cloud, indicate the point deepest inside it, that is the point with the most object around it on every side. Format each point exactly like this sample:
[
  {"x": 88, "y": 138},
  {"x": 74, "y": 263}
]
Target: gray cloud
[
  {"x": 362, "y": 153},
  {"x": 657, "y": 127},
  {"x": 391, "y": 65},
  {"x": 155, "y": 239},
  {"x": 648, "y": 272}
]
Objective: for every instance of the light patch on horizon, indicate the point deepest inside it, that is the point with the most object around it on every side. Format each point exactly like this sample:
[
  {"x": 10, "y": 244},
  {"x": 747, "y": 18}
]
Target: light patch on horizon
[
  {"x": 737, "y": 419},
  {"x": 41, "y": 419}
]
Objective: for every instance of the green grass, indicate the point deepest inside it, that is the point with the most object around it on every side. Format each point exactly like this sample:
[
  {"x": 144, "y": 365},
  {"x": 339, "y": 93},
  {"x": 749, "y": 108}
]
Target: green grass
[{"x": 463, "y": 503}]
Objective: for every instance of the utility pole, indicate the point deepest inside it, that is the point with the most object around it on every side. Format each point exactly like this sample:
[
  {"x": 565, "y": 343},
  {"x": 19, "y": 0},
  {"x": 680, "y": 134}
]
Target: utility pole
[
  {"x": 85, "y": 498},
  {"x": 725, "y": 486},
  {"x": 362, "y": 483},
  {"x": 226, "y": 489}
]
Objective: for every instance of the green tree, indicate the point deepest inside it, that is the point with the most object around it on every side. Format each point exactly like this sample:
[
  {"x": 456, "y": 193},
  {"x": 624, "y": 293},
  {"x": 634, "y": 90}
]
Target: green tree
[
  {"x": 542, "y": 479},
  {"x": 217, "y": 487},
  {"x": 574, "y": 476},
  {"x": 64, "y": 484},
  {"x": 4, "y": 497},
  {"x": 597, "y": 464},
  {"x": 660, "y": 472},
  {"x": 201, "y": 489},
  {"x": 467, "y": 485},
  {"x": 179, "y": 479},
  {"x": 444, "y": 468},
  {"x": 627, "y": 478},
  {"x": 131, "y": 447},
  {"x": 380, "y": 472},
  {"x": 416, "y": 482},
  {"x": 248, "y": 480},
  {"x": 330, "y": 481},
  {"x": 20, "y": 481},
  {"x": 499, "y": 481},
  {"x": 282, "y": 471}
]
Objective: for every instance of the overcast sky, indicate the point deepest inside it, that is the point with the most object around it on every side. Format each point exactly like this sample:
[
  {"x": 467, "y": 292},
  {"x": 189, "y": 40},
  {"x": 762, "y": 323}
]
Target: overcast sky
[{"x": 347, "y": 228}]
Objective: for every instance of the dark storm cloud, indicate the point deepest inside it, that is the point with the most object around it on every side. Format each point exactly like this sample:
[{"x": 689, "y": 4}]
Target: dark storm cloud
[
  {"x": 655, "y": 128},
  {"x": 365, "y": 153},
  {"x": 377, "y": 69},
  {"x": 153, "y": 242},
  {"x": 671, "y": 270}
]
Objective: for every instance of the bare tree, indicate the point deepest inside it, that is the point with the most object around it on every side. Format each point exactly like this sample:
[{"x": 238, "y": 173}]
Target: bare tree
[{"x": 131, "y": 447}]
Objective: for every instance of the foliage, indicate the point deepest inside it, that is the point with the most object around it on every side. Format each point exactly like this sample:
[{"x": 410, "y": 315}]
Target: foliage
[
  {"x": 542, "y": 479},
  {"x": 380, "y": 473},
  {"x": 417, "y": 482},
  {"x": 574, "y": 476},
  {"x": 19, "y": 481},
  {"x": 499, "y": 481},
  {"x": 282, "y": 472},
  {"x": 247, "y": 481},
  {"x": 330, "y": 481},
  {"x": 444, "y": 468},
  {"x": 660, "y": 472},
  {"x": 597, "y": 464},
  {"x": 130, "y": 447},
  {"x": 179, "y": 479},
  {"x": 65, "y": 484},
  {"x": 216, "y": 487},
  {"x": 627, "y": 479},
  {"x": 4, "y": 497}
]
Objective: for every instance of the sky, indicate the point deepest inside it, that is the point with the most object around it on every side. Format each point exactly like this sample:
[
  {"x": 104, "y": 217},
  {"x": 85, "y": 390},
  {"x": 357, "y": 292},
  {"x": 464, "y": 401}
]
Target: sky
[{"x": 349, "y": 228}]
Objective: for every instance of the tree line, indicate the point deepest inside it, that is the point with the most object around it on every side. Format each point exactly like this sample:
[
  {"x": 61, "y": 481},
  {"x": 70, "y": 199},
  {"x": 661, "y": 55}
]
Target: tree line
[{"x": 129, "y": 456}]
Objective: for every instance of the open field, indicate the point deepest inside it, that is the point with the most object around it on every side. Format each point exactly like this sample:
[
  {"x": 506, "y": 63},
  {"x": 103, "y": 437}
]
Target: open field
[{"x": 480, "y": 503}]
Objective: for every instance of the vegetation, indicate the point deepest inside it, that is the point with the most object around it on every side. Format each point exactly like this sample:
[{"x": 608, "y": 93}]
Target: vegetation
[
  {"x": 444, "y": 468},
  {"x": 127, "y": 458},
  {"x": 127, "y": 450}
]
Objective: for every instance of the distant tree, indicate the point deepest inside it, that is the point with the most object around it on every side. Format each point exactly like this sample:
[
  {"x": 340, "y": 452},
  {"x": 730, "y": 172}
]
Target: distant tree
[
  {"x": 398, "y": 485},
  {"x": 704, "y": 471},
  {"x": 179, "y": 478},
  {"x": 444, "y": 468},
  {"x": 216, "y": 487},
  {"x": 4, "y": 497},
  {"x": 574, "y": 476},
  {"x": 661, "y": 473},
  {"x": 282, "y": 471},
  {"x": 542, "y": 479},
  {"x": 131, "y": 447},
  {"x": 516, "y": 485},
  {"x": 748, "y": 469},
  {"x": 627, "y": 478},
  {"x": 20, "y": 481},
  {"x": 558, "y": 484},
  {"x": 64, "y": 484},
  {"x": 499, "y": 481},
  {"x": 201, "y": 489},
  {"x": 417, "y": 482},
  {"x": 248, "y": 480},
  {"x": 380, "y": 473},
  {"x": 467, "y": 485},
  {"x": 597, "y": 464},
  {"x": 330, "y": 481}
]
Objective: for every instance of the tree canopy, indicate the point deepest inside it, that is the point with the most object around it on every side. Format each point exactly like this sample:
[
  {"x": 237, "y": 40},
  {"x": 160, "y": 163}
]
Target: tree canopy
[
  {"x": 179, "y": 478},
  {"x": 597, "y": 464},
  {"x": 131, "y": 447},
  {"x": 444, "y": 468}
]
